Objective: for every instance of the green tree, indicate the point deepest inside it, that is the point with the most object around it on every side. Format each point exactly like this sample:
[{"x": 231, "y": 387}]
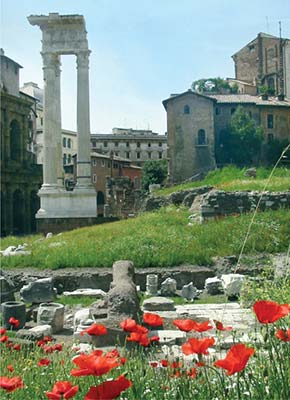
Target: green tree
[
  {"x": 214, "y": 85},
  {"x": 153, "y": 172},
  {"x": 241, "y": 143}
]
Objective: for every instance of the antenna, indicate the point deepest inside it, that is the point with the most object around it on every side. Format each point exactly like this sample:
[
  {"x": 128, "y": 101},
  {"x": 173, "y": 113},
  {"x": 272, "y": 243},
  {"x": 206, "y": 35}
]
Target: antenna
[{"x": 280, "y": 30}]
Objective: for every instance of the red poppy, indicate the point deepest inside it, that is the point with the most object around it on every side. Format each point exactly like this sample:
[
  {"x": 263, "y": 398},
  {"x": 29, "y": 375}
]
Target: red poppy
[
  {"x": 95, "y": 330},
  {"x": 10, "y": 368},
  {"x": 236, "y": 358},
  {"x": 185, "y": 325},
  {"x": 17, "y": 347},
  {"x": 198, "y": 346},
  {"x": 140, "y": 338},
  {"x": 192, "y": 373},
  {"x": 3, "y": 339},
  {"x": 2, "y": 331},
  {"x": 14, "y": 322},
  {"x": 128, "y": 325},
  {"x": 201, "y": 326},
  {"x": 43, "y": 362},
  {"x": 154, "y": 339},
  {"x": 108, "y": 390},
  {"x": 154, "y": 364},
  {"x": 270, "y": 311},
  {"x": 51, "y": 349},
  {"x": 220, "y": 327},
  {"x": 10, "y": 384},
  {"x": 164, "y": 363},
  {"x": 152, "y": 319},
  {"x": 91, "y": 364},
  {"x": 140, "y": 329},
  {"x": 43, "y": 341},
  {"x": 62, "y": 388},
  {"x": 283, "y": 335}
]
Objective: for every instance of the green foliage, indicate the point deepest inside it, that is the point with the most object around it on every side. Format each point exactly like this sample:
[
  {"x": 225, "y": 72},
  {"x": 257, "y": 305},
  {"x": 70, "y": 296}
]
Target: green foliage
[
  {"x": 154, "y": 171},
  {"x": 233, "y": 178},
  {"x": 266, "y": 90},
  {"x": 241, "y": 143},
  {"x": 158, "y": 239},
  {"x": 214, "y": 85},
  {"x": 274, "y": 150}
]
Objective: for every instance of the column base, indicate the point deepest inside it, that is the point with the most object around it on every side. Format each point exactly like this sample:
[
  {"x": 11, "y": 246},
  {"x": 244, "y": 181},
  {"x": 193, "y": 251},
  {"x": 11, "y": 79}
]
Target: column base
[{"x": 57, "y": 203}]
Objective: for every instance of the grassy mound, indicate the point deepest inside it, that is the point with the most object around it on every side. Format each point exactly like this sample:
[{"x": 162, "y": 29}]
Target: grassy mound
[
  {"x": 233, "y": 178},
  {"x": 158, "y": 239}
]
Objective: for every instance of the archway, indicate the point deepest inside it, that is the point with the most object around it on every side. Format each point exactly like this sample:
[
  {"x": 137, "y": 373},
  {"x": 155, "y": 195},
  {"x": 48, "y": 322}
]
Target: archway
[{"x": 100, "y": 203}]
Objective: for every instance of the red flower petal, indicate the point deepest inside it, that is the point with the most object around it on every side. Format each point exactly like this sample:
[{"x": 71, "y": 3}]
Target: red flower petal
[
  {"x": 270, "y": 311},
  {"x": 283, "y": 335},
  {"x": 14, "y": 322},
  {"x": 95, "y": 329},
  {"x": 108, "y": 390},
  {"x": 185, "y": 325},
  {"x": 198, "y": 346},
  {"x": 236, "y": 358},
  {"x": 10, "y": 384},
  {"x": 2, "y": 331},
  {"x": 91, "y": 364},
  {"x": 128, "y": 325},
  {"x": 220, "y": 327},
  {"x": 152, "y": 319},
  {"x": 43, "y": 362}
]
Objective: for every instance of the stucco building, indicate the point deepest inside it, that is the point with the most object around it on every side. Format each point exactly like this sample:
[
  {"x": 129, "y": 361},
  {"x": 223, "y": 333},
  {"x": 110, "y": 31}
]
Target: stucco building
[
  {"x": 135, "y": 145},
  {"x": 20, "y": 176},
  {"x": 190, "y": 131},
  {"x": 265, "y": 61}
]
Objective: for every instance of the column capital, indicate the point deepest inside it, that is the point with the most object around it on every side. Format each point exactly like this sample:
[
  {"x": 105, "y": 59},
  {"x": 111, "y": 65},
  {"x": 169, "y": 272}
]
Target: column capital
[
  {"x": 52, "y": 61},
  {"x": 83, "y": 58}
]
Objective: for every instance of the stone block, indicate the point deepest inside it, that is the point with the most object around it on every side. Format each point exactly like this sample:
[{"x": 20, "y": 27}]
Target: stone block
[
  {"x": 36, "y": 333},
  {"x": 38, "y": 291},
  {"x": 213, "y": 286},
  {"x": 51, "y": 314},
  {"x": 168, "y": 287},
  {"x": 158, "y": 304}
]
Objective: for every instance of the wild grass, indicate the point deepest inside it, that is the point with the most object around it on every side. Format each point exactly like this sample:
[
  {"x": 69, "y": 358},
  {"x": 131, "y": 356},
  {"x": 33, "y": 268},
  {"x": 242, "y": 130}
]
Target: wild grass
[
  {"x": 232, "y": 178},
  {"x": 158, "y": 239}
]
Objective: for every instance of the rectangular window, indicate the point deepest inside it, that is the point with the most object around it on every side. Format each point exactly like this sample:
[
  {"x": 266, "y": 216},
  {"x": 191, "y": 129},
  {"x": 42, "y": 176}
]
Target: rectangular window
[
  {"x": 160, "y": 155},
  {"x": 138, "y": 155},
  {"x": 94, "y": 143},
  {"x": 94, "y": 178},
  {"x": 103, "y": 163},
  {"x": 127, "y": 144},
  {"x": 116, "y": 144},
  {"x": 116, "y": 153},
  {"x": 217, "y": 111},
  {"x": 105, "y": 144},
  {"x": 138, "y": 144},
  {"x": 149, "y": 144},
  {"x": 94, "y": 162},
  {"x": 127, "y": 155},
  {"x": 160, "y": 144},
  {"x": 270, "y": 121},
  {"x": 149, "y": 155}
]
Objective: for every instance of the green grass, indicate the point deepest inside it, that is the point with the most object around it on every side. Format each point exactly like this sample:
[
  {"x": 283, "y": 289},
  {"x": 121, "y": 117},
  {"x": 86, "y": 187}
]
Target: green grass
[
  {"x": 233, "y": 178},
  {"x": 158, "y": 239}
]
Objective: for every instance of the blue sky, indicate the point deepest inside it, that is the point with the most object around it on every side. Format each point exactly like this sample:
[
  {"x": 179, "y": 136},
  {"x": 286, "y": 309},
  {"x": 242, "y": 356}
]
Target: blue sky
[{"x": 141, "y": 50}]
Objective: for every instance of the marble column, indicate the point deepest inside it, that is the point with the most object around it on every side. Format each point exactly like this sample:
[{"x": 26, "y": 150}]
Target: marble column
[
  {"x": 52, "y": 127},
  {"x": 60, "y": 172},
  {"x": 83, "y": 122}
]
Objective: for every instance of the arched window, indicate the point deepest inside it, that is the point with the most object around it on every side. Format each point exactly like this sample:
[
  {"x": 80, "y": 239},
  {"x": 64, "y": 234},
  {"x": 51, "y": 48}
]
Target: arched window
[
  {"x": 69, "y": 143},
  {"x": 186, "y": 109},
  {"x": 201, "y": 139},
  {"x": 64, "y": 159},
  {"x": 15, "y": 140},
  {"x": 64, "y": 142},
  {"x": 69, "y": 159},
  {"x": 271, "y": 83}
]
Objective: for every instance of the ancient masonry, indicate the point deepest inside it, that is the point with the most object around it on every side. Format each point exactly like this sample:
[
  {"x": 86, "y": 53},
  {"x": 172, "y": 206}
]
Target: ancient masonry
[{"x": 62, "y": 35}]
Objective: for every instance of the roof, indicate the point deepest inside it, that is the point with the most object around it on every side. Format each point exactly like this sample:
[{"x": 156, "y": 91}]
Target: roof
[
  {"x": 115, "y": 158},
  {"x": 188, "y": 92},
  {"x": 2, "y": 55},
  {"x": 248, "y": 99},
  {"x": 118, "y": 137},
  {"x": 260, "y": 34}
]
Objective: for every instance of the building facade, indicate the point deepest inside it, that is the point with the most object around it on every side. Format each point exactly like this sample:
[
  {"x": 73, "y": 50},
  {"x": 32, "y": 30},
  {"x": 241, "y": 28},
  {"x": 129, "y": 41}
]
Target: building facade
[
  {"x": 134, "y": 145},
  {"x": 21, "y": 178},
  {"x": 265, "y": 61},
  {"x": 190, "y": 131}
]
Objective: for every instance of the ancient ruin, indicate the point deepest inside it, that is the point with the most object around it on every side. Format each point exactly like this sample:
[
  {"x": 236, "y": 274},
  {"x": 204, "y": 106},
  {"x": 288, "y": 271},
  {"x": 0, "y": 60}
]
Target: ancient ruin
[{"x": 64, "y": 35}]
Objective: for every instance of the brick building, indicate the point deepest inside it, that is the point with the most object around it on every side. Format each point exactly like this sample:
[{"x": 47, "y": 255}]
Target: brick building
[
  {"x": 265, "y": 61},
  {"x": 190, "y": 131},
  {"x": 104, "y": 166}
]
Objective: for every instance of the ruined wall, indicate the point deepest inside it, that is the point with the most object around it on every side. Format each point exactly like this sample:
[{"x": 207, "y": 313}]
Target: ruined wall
[
  {"x": 220, "y": 203},
  {"x": 122, "y": 200}
]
